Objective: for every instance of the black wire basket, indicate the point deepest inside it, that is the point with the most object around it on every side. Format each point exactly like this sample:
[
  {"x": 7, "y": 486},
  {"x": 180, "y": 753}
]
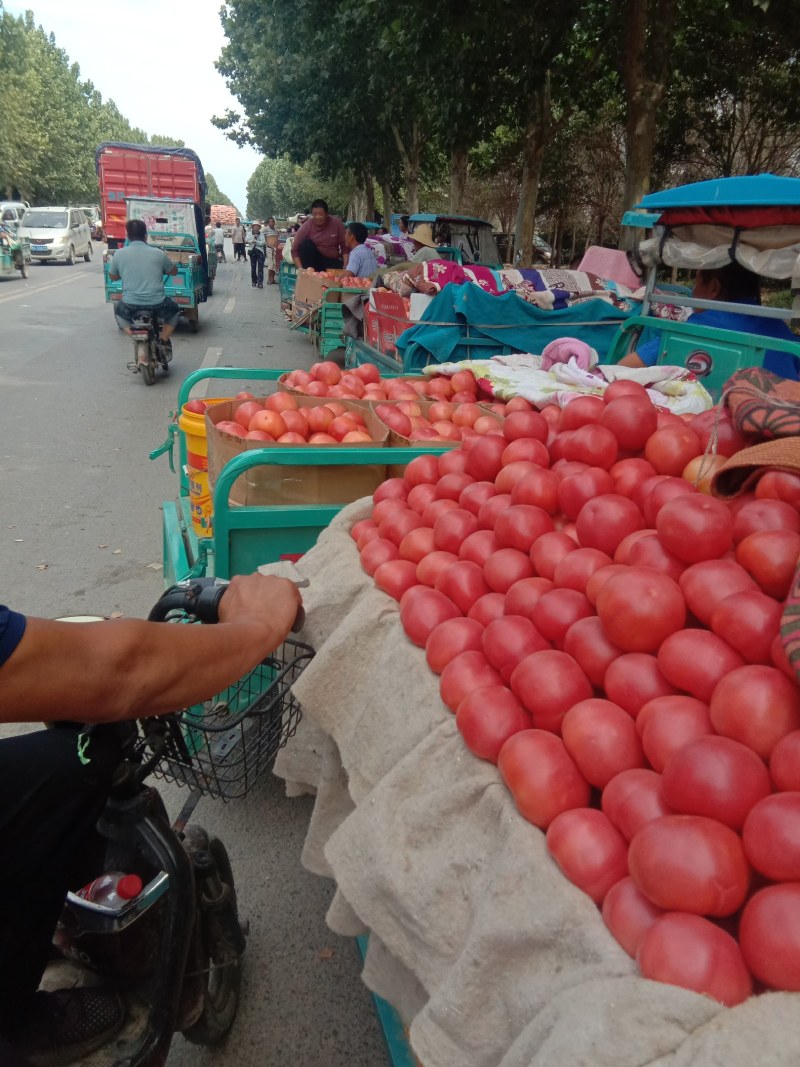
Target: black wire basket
[{"x": 220, "y": 748}]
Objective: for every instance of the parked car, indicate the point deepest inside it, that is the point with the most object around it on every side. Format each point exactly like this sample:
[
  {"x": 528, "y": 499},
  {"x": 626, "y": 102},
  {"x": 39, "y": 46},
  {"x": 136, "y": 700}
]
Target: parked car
[
  {"x": 57, "y": 233},
  {"x": 92, "y": 213},
  {"x": 11, "y": 212}
]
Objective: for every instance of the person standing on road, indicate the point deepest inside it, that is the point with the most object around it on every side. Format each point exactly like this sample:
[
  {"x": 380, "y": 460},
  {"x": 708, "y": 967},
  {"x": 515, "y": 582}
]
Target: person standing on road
[
  {"x": 320, "y": 242},
  {"x": 53, "y": 788},
  {"x": 256, "y": 249},
  {"x": 271, "y": 240},
  {"x": 238, "y": 240},
  {"x": 142, "y": 271},
  {"x": 219, "y": 243}
]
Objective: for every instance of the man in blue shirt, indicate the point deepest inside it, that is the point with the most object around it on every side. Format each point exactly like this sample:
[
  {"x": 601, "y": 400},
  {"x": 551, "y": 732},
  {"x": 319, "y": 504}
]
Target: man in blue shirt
[
  {"x": 142, "y": 269},
  {"x": 361, "y": 262},
  {"x": 736, "y": 285}
]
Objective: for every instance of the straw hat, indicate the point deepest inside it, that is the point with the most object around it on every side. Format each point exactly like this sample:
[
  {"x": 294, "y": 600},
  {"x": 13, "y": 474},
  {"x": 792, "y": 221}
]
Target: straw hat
[{"x": 423, "y": 235}]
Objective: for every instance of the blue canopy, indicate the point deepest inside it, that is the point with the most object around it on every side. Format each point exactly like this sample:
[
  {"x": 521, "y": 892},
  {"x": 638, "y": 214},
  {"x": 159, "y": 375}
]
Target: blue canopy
[
  {"x": 466, "y": 322},
  {"x": 750, "y": 190}
]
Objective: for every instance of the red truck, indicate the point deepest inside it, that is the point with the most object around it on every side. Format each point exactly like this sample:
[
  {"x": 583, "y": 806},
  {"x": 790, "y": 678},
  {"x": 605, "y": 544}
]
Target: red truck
[{"x": 142, "y": 170}]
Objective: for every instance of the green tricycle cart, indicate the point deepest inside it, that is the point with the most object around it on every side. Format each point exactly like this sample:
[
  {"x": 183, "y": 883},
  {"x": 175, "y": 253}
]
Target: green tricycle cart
[{"x": 15, "y": 253}]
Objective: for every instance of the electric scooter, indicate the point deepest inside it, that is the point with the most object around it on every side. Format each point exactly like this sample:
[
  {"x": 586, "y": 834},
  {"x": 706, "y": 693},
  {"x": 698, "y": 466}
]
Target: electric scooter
[{"x": 150, "y": 352}]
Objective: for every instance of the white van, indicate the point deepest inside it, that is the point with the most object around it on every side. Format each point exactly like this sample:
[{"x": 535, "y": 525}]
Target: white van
[{"x": 57, "y": 233}]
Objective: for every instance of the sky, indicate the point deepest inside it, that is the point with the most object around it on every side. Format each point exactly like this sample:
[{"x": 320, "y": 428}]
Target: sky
[{"x": 173, "y": 88}]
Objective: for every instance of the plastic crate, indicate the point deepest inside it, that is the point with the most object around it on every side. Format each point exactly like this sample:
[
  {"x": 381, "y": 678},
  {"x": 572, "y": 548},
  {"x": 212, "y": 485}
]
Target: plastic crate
[{"x": 287, "y": 280}]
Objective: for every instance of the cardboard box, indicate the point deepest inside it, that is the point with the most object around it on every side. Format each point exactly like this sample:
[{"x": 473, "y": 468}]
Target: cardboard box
[
  {"x": 272, "y": 485},
  {"x": 371, "y": 329}
]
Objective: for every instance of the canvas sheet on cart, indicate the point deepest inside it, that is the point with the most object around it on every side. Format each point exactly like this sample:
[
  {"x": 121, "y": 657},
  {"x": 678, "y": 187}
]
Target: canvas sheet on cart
[{"x": 489, "y": 954}]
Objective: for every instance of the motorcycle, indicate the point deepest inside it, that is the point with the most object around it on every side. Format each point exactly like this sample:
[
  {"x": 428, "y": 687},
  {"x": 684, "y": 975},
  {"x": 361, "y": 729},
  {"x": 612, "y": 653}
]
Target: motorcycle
[
  {"x": 175, "y": 950},
  {"x": 150, "y": 351}
]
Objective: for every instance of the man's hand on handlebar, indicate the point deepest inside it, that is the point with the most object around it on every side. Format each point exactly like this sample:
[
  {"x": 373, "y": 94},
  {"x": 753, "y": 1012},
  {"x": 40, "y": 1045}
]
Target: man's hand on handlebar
[{"x": 261, "y": 598}]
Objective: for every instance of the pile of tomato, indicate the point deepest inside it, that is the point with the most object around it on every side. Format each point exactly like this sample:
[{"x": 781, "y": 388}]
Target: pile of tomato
[{"x": 607, "y": 633}]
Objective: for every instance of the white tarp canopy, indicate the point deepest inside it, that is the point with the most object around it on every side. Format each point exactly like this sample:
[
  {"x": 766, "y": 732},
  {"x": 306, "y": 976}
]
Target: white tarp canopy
[{"x": 770, "y": 251}]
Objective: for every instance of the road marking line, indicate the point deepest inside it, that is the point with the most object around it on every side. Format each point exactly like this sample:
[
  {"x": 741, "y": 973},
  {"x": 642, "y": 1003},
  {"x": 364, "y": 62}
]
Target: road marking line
[
  {"x": 41, "y": 288},
  {"x": 210, "y": 359},
  {"x": 229, "y": 306}
]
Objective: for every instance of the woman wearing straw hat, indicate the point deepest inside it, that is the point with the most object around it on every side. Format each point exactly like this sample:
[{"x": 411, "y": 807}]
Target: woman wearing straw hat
[{"x": 424, "y": 244}]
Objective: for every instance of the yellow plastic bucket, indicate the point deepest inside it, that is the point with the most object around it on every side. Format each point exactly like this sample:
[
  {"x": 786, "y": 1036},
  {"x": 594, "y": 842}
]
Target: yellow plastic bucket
[{"x": 193, "y": 426}]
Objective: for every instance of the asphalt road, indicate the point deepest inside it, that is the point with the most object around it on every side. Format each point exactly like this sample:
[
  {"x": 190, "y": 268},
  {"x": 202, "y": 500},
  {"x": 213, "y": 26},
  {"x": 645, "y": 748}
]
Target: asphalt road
[{"x": 80, "y": 533}]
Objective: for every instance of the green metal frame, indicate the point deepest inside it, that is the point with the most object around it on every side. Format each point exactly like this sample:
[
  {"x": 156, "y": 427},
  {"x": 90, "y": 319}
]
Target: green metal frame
[
  {"x": 287, "y": 280},
  {"x": 711, "y": 353}
]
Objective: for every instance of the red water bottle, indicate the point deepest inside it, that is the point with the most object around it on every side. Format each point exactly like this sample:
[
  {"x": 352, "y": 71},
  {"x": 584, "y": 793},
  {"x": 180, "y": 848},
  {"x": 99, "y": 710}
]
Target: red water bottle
[{"x": 112, "y": 889}]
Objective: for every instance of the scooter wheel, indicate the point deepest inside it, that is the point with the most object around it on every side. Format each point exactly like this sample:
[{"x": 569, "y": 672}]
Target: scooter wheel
[{"x": 224, "y": 977}]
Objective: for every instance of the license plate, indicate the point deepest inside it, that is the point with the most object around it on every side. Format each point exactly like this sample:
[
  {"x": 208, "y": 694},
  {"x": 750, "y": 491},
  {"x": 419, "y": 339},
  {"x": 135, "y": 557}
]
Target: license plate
[{"x": 39, "y": 248}]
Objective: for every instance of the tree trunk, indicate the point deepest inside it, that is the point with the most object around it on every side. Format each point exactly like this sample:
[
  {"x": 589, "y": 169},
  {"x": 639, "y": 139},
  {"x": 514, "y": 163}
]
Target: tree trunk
[
  {"x": 410, "y": 154},
  {"x": 649, "y": 28},
  {"x": 459, "y": 160},
  {"x": 369, "y": 189},
  {"x": 386, "y": 196},
  {"x": 536, "y": 137}
]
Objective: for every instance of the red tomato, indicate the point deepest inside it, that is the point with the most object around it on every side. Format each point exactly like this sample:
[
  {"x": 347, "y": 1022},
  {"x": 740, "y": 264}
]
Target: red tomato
[
  {"x": 590, "y": 851},
  {"x": 377, "y": 552},
  {"x": 420, "y": 496},
  {"x": 756, "y": 705},
  {"x": 769, "y": 935},
  {"x": 696, "y": 527},
  {"x": 749, "y": 623},
  {"x": 422, "y": 469},
  {"x": 628, "y": 914},
  {"x": 784, "y": 763},
  {"x": 465, "y": 673},
  {"x": 631, "y": 420},
  {"x": 588, "y": 644},
  {"x": 632, "y": 799},
  {"x": 525, "y": 424},
  {"x": 555, "y": 612},
  {"x": 581, "y": 411},
  {"x": 661, "y": 493},
  {"x": 695, "y": 661},
  {"x": 485, "y": 458},
  {"x": 693, "y": 953},
  {"x": 548, "y": 684},
  {"x": 764, "y": 515},
  {"x": 463, "y": 583},
  {"x": 690, "y": 863},
  {"x": 521, "y": 525},
  {"x": 505, "y": 567},
  {"x": 643, "y": 490},
  {"x": 517, "y": 403},
  {"x": 488, "y": 607},
  {"x": 779, "y": 485},
  {"x": 539, "y": 488},
  {"x": 770, "y": 556},
  {"x": 423, "y": 611},
  {"x": 671, "y": 448},
  {"x": 592, "y": 444},
  {"x": 454, "y": 462},
  {"x": 386, "y": 507},
  {"x": 640, "y": 608},
  {"x": 391, "y": 488},
  {"x": 624, "y": 387},
  {"x": 602, "y": 740},
  {"x": 521, "y": 598},
  {"x": 633, "y": 680},
  {"x": 629, "y": 473},
  {"x": 666, "y": 724},
  {"x": 449, "y": 639},
  {"x": 360, "y": 527},
  {"x": 727, "y": 439},
  {"x": 511, "y": 474},
  {"x": 395, "y": 577},
  {"x": 487, "y": 718},
  {"x": 541, "y": 776},
  {"x": 548, "y": 551},
  {"x": 401, "y": 522},
  {"x": 368, "y": 535},
  {"x": 599, "y": 579},
  {"x": 430, "y": 567},
  {"x": 603, "y": 522},
  {"x": 771, "y": 837},
  {"x": 508, "y": 640},
  {"x": 526, "y": 450},
  {"x": 451, "y": 486},
  {"x": 479, "y": 546},
  {"x": 492, "y": 509},
  {"x": 451, "y": 529},
  {"x": 716, "y": 777},
  {"x": 576, "y": 568},
  {"x": 705, "y": 585},
  {"x": 476, "y": 494},
  {"x": 417, "y": 544},
  {"x": 649, "y": 551},
  {"x": 576, "y": 490}
]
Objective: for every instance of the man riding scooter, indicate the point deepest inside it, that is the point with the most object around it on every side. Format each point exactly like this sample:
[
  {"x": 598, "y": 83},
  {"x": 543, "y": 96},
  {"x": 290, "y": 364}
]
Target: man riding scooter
[{"x": 142, "y": 269}]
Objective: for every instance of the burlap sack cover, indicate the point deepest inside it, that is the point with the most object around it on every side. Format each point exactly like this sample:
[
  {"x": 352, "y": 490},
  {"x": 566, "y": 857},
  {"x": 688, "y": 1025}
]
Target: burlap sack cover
[{"x": 491, "y": 956}]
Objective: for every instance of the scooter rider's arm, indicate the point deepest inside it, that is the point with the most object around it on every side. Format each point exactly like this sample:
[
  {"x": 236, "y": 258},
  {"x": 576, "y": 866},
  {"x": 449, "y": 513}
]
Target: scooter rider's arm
[{"x": 127, "y": 668}]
